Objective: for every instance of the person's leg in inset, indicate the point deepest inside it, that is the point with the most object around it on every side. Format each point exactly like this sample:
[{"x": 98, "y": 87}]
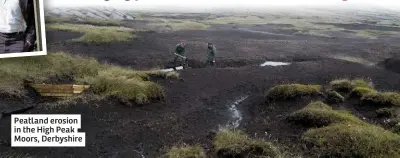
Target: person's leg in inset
[
  {"x": 2, "y": 44},
  {"x": 14, "y": 43}
]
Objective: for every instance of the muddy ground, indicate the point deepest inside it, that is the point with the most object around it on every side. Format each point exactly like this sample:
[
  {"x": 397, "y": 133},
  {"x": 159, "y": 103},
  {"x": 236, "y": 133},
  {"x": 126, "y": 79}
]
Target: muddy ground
[{"x": 197, "y": 106}]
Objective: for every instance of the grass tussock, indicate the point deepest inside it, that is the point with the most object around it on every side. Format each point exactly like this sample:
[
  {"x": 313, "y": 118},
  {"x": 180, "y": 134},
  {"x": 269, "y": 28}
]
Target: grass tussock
[
  {"x": 38, "y": 69},
  {"x": 318, "y": 114},
  {"x": 331, "y": 128},
  {"x": 98, "y": 21},
  {"x": 353, "y": 59},
  {"x": 106, "y": 80},
  {"x": 361, "y": 91},
  {"x": 346, "y": 85},
  {"x": 175, "y": 24},
  {"x": 92, "y": 21},
  {"x": 129, "y": 88},
  {"x": 172, "y": 75},
  {"x": 186, "y": 151},
  {"x": 249, "y": 20},
  {"x": 238, "y": 144},
  {"x": 352, "y": 140},
  {"x": 382, "y": 99},
  {"x": 289, "y": 91},
  {"x": 185, "y": 25},
  {"x": 312, "y": 33},
  {"x": 96, "y": 34},
  {"x": 375, "y": 33},
  {"x": 334, "y": 97}
]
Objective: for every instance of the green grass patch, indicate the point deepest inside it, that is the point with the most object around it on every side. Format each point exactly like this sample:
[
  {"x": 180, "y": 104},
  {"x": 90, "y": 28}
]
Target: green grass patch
[
  {"x": 186, "y": 151},
  {"x": 92, "y": 21},
  {"x": 375, "y": 33},
  {"x": 318, "y": 114},
  {"x": 361, "y": 91},
  {"x": 38, "y": 69},
  {"x": 181, "y": 25},
  {"x": 248, "y": 20},
  {"x": 96, "y": 34},
  {"x": 352, "y": 140},
  {"x": 172, "y": 75},
  {"x": 346, "y": 85},
  {"x": 341, "y": 85},
  {"x": 353, "y": 59},
  {"x": 382, "y": 99},
  {"x": 312, "y": 33},
  {"x": 129, "y": 88},
  {"x": 389, "y": 23},
  {"x": 238, "y": 144},
  {"x": 98, "y": 21},
  {"x": 334, "y": 97},
  {"x": 289, "y": 91},
  {"x": 106, "y": 80}
]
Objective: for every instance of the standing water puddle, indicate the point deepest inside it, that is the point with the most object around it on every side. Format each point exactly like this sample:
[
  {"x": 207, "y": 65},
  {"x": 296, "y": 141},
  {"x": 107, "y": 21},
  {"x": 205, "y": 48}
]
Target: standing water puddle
[
  {"x": 274, "y": 63},
  {"x": 236, "y": 116}
]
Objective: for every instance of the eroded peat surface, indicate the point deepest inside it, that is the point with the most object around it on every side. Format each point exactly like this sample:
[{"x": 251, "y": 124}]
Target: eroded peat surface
[{"x": 250, "y": 61}]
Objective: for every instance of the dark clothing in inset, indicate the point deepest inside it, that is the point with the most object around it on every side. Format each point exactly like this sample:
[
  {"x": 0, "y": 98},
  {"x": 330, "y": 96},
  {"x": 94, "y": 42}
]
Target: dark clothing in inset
[
  {"x": 28, "y": 12},
  {"x": 12, "y": 42}
]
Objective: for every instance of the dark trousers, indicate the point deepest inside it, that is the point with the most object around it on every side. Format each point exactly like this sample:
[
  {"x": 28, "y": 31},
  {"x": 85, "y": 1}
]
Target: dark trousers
[{"x": 12, "y": 42}]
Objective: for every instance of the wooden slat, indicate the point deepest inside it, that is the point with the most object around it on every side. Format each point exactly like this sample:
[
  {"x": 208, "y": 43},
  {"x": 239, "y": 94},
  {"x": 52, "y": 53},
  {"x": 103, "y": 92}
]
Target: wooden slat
[
  {"x": 64, "y": 90},
  {"x": 56, "y": 94}
]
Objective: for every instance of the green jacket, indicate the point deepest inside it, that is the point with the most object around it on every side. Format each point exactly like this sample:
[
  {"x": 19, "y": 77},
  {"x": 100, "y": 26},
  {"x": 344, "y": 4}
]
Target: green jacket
[
  {"x": 211, "y": 52},
  {"x": 180, "y": 49}
]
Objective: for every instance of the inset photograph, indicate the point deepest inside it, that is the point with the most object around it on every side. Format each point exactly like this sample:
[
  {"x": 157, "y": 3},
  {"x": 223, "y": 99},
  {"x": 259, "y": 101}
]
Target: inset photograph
[{"x": 22, "y": 31}]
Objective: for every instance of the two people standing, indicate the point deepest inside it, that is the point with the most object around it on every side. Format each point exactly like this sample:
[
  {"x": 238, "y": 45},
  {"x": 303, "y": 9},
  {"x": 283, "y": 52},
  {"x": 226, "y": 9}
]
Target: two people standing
[{"x": 180, "y": 54}]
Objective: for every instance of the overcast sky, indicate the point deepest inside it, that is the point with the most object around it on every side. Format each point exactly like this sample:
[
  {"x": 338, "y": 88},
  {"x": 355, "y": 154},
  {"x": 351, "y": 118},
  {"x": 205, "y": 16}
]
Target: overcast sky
[{"x": 199, "y": 4}]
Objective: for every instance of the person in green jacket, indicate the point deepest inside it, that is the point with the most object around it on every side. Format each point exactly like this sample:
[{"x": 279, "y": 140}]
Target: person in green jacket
[
  {"x": 211, "y": 52},
  {"x": 180, "y": 52}
]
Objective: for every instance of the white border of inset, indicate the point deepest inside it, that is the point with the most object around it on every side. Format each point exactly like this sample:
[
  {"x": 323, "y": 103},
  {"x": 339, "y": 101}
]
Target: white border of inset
[{"x": 42, "y": 34}]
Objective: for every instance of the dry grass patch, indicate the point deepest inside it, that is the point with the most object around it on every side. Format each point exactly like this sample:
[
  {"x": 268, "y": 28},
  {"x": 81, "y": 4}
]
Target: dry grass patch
[
  {"x": 340, "y": 134},
  {"x": 346, "y": 85},
  {"x": 106, "y": 80},
  {"x": 334, "y": 97},
  {"x": 375, "y": 33},
  {"x": 180, "y": 24},
  {"x": 38, "y": 69},
  {"x": 319, "y": 114},
  {"x": 382, "y": 99},
  {"x": 98, "y": 21},
  {"x": 96, "y": 34},
  {"x": 131, "y": 89},
  {"x": 248, "y": 20},
  {"x": 92, "y": 21},
  {"x": 352, "y": 140},
  {"x": 361, "y": 91},
  {"x": 312, "y": 33},
  {"x": 238, "y": 144},
  {"x": 353, "y": 59},
  {"x": 186, "y": 151},
  {"x": 290, "y": 91}
]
